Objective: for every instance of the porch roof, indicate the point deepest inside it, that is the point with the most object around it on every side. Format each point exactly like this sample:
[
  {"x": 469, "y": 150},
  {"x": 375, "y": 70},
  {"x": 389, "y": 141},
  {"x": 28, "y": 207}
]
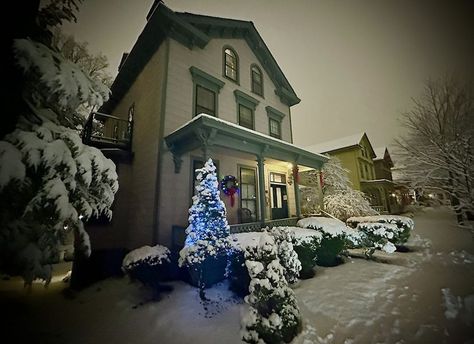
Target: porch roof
[{"x": 205, "y": 130}]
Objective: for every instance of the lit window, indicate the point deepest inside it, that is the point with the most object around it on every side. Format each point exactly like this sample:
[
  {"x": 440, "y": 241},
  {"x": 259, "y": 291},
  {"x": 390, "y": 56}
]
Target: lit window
[
  {"x": 230, "y": 64},
  {"x": 205, "y": 101},
  {"x": 245, "y": 117},
  {"x": 275, "y": 128},
  {"x": 257, "y": 80}
]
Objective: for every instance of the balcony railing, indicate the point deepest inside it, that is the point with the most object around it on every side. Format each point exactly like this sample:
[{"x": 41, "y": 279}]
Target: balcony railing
[{"x": 106, "y": 131}]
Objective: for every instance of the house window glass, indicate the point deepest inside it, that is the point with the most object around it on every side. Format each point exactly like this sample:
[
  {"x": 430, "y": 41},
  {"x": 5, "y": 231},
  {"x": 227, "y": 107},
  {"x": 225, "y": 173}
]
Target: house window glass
[
  {"x": 275, "y": 128},
  {"x": 205, "y": 101},
  {"x": 277, "y": 178},
  {"x": 257, "y": 81},
  {"x": 245, "y": 117},
  {"x": 362, "y": 175},
  {"x": 230, "y": 64},
  {"x": 367, "y": 172},
  {"x": 248, "y": 190}
]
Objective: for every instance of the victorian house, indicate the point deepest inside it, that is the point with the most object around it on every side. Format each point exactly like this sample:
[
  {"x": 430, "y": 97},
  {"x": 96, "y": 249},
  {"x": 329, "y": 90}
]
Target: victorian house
[
  {"x": 195, "y": 87},
  {"x": 369, "y": 169}
]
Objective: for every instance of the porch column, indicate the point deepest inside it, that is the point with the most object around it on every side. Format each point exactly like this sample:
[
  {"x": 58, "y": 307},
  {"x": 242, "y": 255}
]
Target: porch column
[
  {"x": 297, "y": 194},
  {"x": 261, "y": 187}
]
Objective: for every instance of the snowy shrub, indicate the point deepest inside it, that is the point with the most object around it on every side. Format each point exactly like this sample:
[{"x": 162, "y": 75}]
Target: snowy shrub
[
  {"x": 208, "y": 231},
  {"x": 333, "y": 241},
  {"x": 146, "y": 255},
  {"x": 307, "y": 243},
  {"x": 400, "y": 235},
  {"x": 237, "y": 274},
  {"x": 284, "y": 239},
  {"x": 149, "y": 266},
  {"x": 376, "y": 236},
  {"x": 273, "y": 315}
]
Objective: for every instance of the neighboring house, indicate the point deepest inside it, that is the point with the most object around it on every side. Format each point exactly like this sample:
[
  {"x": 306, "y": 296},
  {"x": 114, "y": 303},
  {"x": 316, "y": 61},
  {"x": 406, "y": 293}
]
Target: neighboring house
[
  {"x": 196, "y": 87},
  {"x": 369, "y": 171}
]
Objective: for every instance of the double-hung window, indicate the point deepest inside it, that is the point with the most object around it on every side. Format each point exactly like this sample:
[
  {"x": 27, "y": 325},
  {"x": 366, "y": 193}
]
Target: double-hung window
[{"x": 257, "y": 80}]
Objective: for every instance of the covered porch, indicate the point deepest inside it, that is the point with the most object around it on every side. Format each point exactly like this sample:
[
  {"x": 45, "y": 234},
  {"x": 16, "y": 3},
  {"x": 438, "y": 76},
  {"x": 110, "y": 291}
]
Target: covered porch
[
  {"x": 381, "y": 195},
  {"x": 269, "y": 196}
]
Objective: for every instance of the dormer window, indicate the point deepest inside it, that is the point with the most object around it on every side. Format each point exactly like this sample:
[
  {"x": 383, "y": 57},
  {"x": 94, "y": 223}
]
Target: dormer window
[
  {"x": 257, "y": 80},
  {"x": 231, "y": 64}
]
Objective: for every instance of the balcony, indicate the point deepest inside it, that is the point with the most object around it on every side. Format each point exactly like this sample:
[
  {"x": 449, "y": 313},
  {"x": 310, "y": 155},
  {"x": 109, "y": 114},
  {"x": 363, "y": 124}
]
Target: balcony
[{"x": 112, "y": 135}]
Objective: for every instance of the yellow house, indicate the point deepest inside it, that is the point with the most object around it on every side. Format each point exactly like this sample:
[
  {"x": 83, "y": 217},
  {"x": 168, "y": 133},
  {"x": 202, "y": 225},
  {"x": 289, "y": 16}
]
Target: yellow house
[{"x": 369, "y": 172}]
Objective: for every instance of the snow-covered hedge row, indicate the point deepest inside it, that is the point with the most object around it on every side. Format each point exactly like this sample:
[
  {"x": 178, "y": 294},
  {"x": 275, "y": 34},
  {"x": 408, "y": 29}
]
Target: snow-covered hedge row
[
  {"x": 373, "y": 236},
  {"x": 400, "y": 234}
]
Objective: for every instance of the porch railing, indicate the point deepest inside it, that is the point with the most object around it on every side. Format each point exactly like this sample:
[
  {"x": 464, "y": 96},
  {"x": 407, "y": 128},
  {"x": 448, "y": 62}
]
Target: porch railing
[
  {"x": 106, "y": 131},
  {"x": 258, "y": 226},
  {"x": 379, "y": 209}
]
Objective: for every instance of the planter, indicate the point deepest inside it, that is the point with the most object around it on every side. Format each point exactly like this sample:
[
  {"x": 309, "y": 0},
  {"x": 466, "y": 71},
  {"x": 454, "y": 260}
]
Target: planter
[{"x": 209, "y": 272}]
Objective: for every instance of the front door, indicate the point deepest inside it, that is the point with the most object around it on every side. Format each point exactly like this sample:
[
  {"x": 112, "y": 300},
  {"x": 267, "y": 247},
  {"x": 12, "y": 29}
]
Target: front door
[{"x": 279, "y": 201}]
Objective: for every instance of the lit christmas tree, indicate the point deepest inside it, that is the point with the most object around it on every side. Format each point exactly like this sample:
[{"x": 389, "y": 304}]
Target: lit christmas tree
[{"x": 208, "y": 231}]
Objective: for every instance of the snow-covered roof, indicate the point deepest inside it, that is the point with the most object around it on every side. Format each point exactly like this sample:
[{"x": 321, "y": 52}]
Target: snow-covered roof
[
  {"x": 342, "y": 142},
  {"x": 216, "y": 120}
]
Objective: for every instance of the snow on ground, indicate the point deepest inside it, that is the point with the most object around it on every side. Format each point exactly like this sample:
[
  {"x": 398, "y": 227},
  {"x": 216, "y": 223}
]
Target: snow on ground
[{"x": 423, "y": 296}]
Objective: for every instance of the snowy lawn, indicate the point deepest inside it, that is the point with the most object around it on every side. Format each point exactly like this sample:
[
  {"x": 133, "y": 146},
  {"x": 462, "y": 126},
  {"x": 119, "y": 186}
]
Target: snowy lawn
[{"x": 424, "y": 296}]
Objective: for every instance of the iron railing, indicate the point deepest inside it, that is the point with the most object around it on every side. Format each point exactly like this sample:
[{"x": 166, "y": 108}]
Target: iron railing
[
  {"x": 258, "y": 226},
  {"x": 106, "y": 131}
]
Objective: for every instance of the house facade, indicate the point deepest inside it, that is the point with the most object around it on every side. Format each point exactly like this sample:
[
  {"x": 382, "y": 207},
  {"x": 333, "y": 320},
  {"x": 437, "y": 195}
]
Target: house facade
[
  {"x": 196, "y": 87},
  {"x": 369, "y": 169}
]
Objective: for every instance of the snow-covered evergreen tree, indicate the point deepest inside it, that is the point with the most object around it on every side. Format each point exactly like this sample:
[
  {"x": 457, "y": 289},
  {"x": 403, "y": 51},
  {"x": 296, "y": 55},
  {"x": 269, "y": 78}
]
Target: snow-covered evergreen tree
[
  {"x": 273, "y": 315},
  {"x": 49, "y": 181},
  {"x": 208, "y": 231},
  {"x": 340, "y": 199}
]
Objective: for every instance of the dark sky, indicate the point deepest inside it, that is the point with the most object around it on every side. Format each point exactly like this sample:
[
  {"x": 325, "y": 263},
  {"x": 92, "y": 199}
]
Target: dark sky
[{"x": 354, "y": 64}]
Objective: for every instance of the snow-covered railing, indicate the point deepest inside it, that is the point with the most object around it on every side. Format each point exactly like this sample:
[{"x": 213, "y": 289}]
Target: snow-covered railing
[
  {"x": 106, "y": 131},
  {"x": 257, "y": 226}
]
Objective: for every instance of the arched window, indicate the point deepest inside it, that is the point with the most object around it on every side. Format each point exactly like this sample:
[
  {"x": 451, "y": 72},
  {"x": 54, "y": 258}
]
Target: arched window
[
  {"x": 231, "y": 64},
  {"x": 257, "y": 80}
]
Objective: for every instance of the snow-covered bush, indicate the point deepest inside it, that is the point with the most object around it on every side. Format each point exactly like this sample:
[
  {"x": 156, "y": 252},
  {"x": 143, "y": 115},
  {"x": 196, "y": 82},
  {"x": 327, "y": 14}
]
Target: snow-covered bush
[
  {"x": 372, "y": 236},
  {"x": 273, "y": 315},
  {"x": 208, "y": 231},
  {"x": 146, "y": 255},
  {"x": 149, "y": 265},
  {"x": 334, "y": 236},
  {"x": 285, "y": 239},
  {"x": 307, "y": 244},
  {"x": 404, "y": 225}
]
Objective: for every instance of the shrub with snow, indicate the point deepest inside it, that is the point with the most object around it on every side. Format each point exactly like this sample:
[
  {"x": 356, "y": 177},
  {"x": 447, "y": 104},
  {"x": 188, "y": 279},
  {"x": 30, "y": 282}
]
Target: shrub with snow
[
  {"x": 400, "y": 235},
  {"x": 307, "y": 244},
  {"x": 148, "y": 255},
  {"x": 148, "y": 264},
  {"x": 373, "y": 236},
  {"x": 208, "y": 231},
  {"x": 334, "y": 236},
  {"x": 273, "y": 315},
  {"x": 285, "y": 239}
]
